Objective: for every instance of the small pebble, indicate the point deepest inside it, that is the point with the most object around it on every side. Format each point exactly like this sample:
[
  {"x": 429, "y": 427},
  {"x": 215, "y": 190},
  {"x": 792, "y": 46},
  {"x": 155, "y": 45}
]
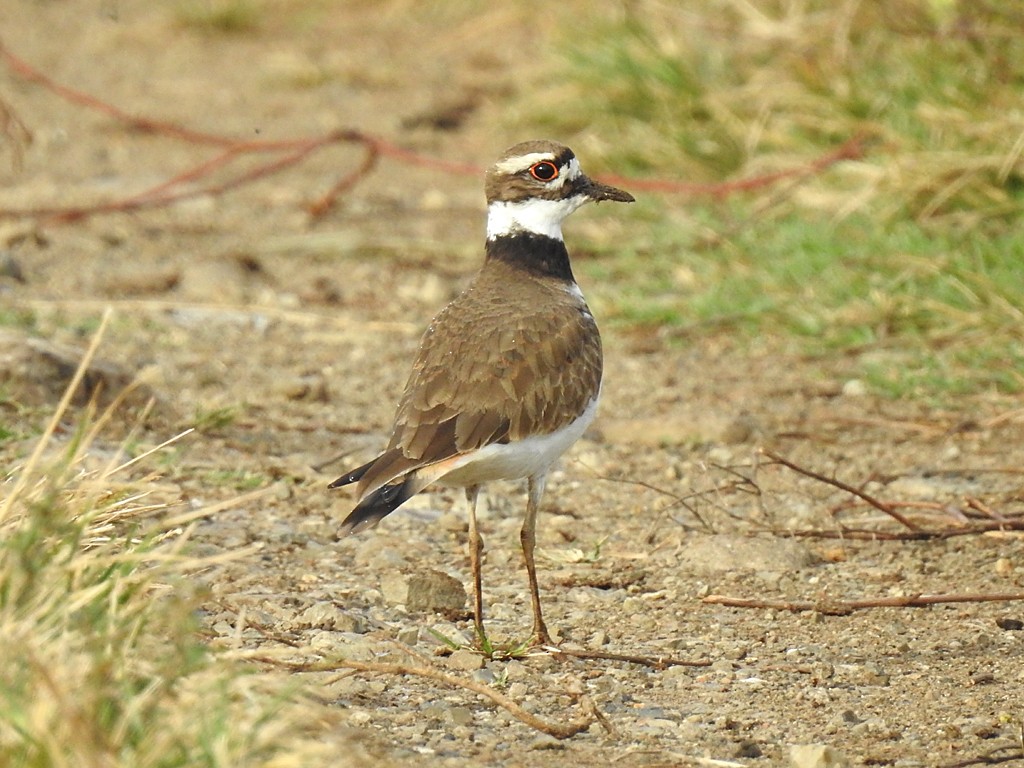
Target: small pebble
[
  {"x": 409, "y": 635},
  {"x": 435, "y": 591},
  {"x": 484, "y": 676},
  {"x": 465, "y": 659},
  {"x": 544, "y": 741},
  {"x": 816, "y": 756},
  {"x": 460, "y": 716}
]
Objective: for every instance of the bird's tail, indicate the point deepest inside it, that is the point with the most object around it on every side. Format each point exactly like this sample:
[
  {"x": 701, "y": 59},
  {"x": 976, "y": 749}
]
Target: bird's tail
[
  {"x": 378, "y": 504},
  {"x": 354, "y": 476}
]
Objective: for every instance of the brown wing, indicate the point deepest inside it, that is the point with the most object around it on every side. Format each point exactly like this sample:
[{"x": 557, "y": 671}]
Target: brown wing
[{"x": 491, "y": 370}]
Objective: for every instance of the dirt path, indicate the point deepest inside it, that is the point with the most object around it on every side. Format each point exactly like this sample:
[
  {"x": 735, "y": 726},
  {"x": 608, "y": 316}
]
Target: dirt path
[{"x": 289, "y": 340}]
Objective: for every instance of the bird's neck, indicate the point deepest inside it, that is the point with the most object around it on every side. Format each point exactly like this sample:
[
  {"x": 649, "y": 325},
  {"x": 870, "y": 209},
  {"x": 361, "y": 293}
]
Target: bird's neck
[
  {"x": 538, "y": 255},
  {"x": 536, "y": 215}
]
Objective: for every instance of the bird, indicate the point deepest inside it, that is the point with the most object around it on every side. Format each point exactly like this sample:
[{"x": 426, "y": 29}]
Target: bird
[{"x": 508, "y": 375}]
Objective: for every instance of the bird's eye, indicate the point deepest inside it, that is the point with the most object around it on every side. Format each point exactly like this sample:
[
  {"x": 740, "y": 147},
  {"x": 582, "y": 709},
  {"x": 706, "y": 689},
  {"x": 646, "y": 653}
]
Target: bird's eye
[{"x": 544, "y": 171}]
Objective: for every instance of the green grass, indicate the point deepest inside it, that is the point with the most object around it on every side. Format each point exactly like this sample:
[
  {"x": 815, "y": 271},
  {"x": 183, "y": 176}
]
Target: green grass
[
  {"x": 219, "y": 16},
  {"x": 238, "y": 479},
  {"x": 211, "y": 420},
  {"x": 909, "y": 255},
  {"x": 949, "y": 307},
  {"x": 707, "y": 91}
]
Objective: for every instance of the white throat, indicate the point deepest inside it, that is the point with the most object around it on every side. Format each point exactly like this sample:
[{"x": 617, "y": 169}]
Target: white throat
[{"x": 536, "y": 215}]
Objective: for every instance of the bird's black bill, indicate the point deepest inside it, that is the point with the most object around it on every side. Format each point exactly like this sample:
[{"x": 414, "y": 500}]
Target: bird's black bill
[{"x": 597, "y": 191}]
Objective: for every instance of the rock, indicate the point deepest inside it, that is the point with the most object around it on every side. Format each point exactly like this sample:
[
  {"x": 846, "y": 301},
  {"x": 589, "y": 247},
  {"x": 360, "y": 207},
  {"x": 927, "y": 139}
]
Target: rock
[
  {"x": 544, "y": 741},
  {"x": 460, "y": 716},
  {"x": 484, "y": 676},
  {"x": 466, "y": 660},
  {"x": 328, "y": 616},
  {"x": 517, "y": 691},
  {"x": 724, "y": 552},
  {"x": 409, "y": 635},
  {"x": 347, "y": 645},
  {"x": 437, "y": 592},
  {"x": 748, "y": 748},
  {"x": 394, "y": 587},
  {"x": 816, "y": 756},
  {"x": 11, "y": 267},
  {"x": 34, "y": 371},
  {"x": 869, "y": 673},
  {"x": 854, "y": 388}
]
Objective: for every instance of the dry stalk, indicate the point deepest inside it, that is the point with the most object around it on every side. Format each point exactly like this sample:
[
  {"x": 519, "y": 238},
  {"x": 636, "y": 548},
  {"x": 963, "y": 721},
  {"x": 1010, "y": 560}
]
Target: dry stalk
[
  {"x": 654, "y": 662},
  {"x": 292, "y": 151},
  {"x": 843, "y": 607},
  {"x": 889, "y": 509},
  {"x": 557, "y": 730}
]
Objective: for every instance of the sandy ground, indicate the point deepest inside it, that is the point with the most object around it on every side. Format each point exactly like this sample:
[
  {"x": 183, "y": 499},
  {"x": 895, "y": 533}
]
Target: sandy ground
[{"x": 287, "y": 339}]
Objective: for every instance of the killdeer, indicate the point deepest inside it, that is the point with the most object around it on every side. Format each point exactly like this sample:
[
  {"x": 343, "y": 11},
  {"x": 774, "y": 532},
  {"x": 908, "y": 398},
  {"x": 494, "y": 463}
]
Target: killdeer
[{"x": 508, "y": 375}]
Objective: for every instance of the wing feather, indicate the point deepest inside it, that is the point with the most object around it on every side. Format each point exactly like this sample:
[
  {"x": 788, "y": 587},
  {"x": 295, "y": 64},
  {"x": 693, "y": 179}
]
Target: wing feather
[{"x": 477, "y": 382}]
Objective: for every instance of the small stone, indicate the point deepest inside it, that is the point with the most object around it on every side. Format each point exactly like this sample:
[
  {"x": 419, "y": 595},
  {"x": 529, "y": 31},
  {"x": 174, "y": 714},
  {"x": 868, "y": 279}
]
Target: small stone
[
  {"x": 409, "y": 635},
  {"x": 854, "y": 388},
  {"x": 433, "y": 712},
  {"x": 465, "y": 659},
  {"x": 748, "y": 749},
  {"x": 1012, "y": 625},
  {"x": 10, "y": 267},
  {"x": 544, "y": 741},
  {"x": 816, "y": 756},
  {"x": 359, "y": 717},
  {"x": 394, "y": 588},
  {"x": 517, "y": 690},
  {"x": 1004, "y": 566},
  {"x": 348, "y": 645},
  {"x": 484, "y": 676},
  {"x": 460, "y": 716},
  {"x": 516, "y": 670},
  {"x": 328, "y": 616},
  {"x": 435, "y": 591},
  {"x": 743, "y": 429},
  {"x": 869, "y": 673}
]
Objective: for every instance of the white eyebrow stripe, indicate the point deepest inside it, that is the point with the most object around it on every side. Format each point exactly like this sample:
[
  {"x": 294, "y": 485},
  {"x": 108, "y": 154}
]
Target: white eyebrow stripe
[{"x": 520, "y": 163}]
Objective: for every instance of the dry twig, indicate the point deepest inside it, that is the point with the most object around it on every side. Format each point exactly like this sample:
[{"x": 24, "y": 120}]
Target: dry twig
[
  {"x": 889, "y": 509},
  {"x": 654, "y": 662},
  {"x": 15, "y": 132},
  {"x": 844, "y": 607},
  {"x": 557, "y": 730},
  {"x": 861, "y": 534},
  {"x": 292, "y": 151}
]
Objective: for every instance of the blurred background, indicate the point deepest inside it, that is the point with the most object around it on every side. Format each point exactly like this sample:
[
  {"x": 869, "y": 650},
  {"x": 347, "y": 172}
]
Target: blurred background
[{"x": 909, "y": 247}]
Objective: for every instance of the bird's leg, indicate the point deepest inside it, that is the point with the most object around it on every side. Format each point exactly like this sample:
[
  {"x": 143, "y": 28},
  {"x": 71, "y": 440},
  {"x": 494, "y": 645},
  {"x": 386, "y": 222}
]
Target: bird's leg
[
  {"x": 476, "y": 548},
  {"x": 528, "y": 537}
]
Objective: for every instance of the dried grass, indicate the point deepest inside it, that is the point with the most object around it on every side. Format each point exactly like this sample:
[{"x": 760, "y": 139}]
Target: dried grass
[
  {"x": 102, "y": 662},
  {"x": 729, "y": 88}
]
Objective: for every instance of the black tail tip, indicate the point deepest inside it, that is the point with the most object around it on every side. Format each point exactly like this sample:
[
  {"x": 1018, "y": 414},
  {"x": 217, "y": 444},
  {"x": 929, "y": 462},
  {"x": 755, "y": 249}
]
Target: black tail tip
[{"x": 375, "y": 508}]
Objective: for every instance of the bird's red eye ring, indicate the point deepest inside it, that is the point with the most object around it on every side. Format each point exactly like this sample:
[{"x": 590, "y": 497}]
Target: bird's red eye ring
[{"x": 544, "y": 171}]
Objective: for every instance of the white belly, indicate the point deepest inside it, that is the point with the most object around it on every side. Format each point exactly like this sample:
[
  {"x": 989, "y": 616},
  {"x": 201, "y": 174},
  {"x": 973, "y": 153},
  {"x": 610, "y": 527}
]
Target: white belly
[{"x": 525, "y": 458}]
